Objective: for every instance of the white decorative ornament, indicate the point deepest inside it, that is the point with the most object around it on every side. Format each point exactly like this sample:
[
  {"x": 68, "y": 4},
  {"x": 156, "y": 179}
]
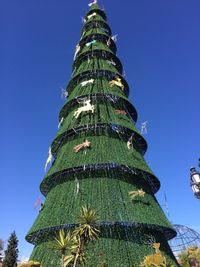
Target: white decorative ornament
[
  {"x": 87, "y": 82},
  {"x": 114, "y": 37},
  {"x": 77, "y": 188},
  {"x": 130, "y": 142},
  {"x": 83, "y": 34},
  {"x": 49, "y": 159},
  {"x": 86, "y": 107},
  {"x": 78, "y": 48},
  {"x": 61, "y": 121},
  {"x": 64, "y": 93},
  {"x": 83, "y": 20},
  {"x": 92, "y": 15},
  {"x": 111, "y": 62},
  {"x": 108, "y": 42},
  {"x": 94, "y": 2},
  {"x": 73, "y": 72},
  {"x": 90, "y": 43},
  {"x": 144, "y": 127}
]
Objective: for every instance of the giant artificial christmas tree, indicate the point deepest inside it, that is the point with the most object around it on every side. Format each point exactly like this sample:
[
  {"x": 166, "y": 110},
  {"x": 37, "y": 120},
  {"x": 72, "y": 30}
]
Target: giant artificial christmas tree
[{"x": 98, "y": 163}]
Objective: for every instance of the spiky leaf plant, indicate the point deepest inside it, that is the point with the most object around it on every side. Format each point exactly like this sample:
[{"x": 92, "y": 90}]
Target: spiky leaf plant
[
  {"x": 62, "y": 243},
  {"x": 82, "y": 234},
  {"x": 76, "y": 254},
  {"x": 87, "y": 217}
]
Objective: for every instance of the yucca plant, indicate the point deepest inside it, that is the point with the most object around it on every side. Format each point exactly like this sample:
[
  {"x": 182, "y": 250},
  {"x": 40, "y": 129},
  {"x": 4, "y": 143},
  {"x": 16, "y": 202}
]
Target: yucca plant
[
  {"x": 87, "y": 215},
  {"x": 76, "y": 253},
  {"x": 87, "y": 219},
  {"x": 62, "y": 243},
  {"x": 87, "y": 232},
  {"x": 83, "y": 233}
]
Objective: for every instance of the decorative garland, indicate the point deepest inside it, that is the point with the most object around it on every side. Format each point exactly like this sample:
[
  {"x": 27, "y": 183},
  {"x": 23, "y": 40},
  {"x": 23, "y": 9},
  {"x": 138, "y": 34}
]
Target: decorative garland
[
  {"x": 85, "y": 107},
  {"x": 100, "y": 54},
  {"x": 99, "y": 11},
  {"x": 95, "y": 64},
  {"x": 95, "y": 169},
  {"x": 99, "y": 98},
  {"x": 107, "y": 230},
  {"x": 100, "y": 37},
  {"x": 137, "y": 140},
  {"x": 86, "y": 75},
  {"x": 96, "y": 24}
]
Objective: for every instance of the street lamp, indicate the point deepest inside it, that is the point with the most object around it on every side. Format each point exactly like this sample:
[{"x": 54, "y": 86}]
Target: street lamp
[{"x": 195, "y": 181}]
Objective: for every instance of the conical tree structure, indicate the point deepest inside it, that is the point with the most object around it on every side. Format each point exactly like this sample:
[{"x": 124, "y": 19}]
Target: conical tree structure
[{"x": 106, "y": 167}]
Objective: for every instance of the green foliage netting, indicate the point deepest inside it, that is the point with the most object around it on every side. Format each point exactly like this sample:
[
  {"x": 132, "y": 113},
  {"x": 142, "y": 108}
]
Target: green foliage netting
[
  {"x": 107, "y": 56},
  {"x": 96, "y": 46},
  {"x": 96, "y": 30},
  {"x": 94, "y": 23},
  {"x": 104, "y": 149},
  {"x": 95, "y": 64},
  {"x": 97, "y": 17},
  {"x": 96, "y": 8},
  {"x": 102, "y": 114},
  {"x": 111, "y": 252},
  {"x": 108, "y": 196},
  {"x": 100, "y": 85}
]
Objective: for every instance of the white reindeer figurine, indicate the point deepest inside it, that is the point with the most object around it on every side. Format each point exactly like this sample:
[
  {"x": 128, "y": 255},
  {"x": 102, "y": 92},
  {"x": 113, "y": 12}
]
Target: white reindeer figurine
[{"x": 86, "y": 107}]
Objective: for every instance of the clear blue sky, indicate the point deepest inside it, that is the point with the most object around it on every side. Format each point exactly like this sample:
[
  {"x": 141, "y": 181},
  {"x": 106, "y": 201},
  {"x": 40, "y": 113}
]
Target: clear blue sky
[{"x": 159, "y": 47}]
